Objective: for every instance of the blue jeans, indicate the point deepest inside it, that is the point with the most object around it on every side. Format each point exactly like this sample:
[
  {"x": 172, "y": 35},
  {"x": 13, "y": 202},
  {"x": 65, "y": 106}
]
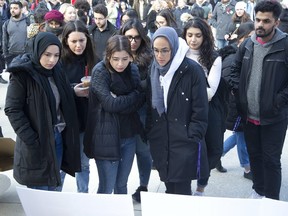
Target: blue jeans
[
  {"x": 113, "y": 175},
  {"x": 59, "y": 156},
  {"x": 143, "y": 155},
  {"x": 82, "y": 178},
  {"x": 237, "y": 138},
  {"x": 144, "y": 161}
]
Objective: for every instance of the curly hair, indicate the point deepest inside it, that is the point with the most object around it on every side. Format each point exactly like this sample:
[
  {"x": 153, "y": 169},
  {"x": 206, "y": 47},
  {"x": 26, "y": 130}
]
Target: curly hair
[
  {"x": 207, "y": 49},
  {"x": 269, "y": 6}
]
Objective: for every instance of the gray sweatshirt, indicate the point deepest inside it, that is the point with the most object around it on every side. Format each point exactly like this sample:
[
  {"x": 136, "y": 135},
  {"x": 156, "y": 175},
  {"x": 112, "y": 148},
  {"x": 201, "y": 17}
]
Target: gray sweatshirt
[
  {"x": 14, "y": 36},
  {"x": 254, "y": 84}
]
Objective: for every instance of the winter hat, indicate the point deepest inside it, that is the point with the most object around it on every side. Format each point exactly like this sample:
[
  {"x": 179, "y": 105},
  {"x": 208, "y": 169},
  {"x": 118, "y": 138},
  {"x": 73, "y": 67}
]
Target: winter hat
[
  {"x": 54, "y": 15},
  {"x": 241, "y": 5}
]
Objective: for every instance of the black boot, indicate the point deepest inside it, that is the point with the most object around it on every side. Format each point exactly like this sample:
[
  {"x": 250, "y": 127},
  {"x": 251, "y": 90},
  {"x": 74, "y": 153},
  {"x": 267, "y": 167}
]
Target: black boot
[
  {"x": 220, "y": 168},
  {"x": 136, "y": 195}
]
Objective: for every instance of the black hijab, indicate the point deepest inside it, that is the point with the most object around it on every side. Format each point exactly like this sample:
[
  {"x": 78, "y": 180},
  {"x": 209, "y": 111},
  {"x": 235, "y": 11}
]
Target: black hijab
[{"x": 40, "y": 44}]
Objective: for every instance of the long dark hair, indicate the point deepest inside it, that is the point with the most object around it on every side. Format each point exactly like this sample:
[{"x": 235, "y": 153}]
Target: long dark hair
[
  {"x": 143, "y": 55},
  {"x": 207, "y": 49},
  {"x": 169, "y": 17},
  {"x": 89, "y": 54}
]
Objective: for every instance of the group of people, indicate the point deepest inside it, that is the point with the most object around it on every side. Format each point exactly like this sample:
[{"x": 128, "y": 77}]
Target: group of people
[{"x": 155, "y": 95}]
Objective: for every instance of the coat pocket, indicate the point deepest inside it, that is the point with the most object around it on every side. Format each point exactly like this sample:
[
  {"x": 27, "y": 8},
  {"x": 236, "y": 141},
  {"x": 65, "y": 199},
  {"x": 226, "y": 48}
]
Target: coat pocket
[{"x": 31, "y": 156}]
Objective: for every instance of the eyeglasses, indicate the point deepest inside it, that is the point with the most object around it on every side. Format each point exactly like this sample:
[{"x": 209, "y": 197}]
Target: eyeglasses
[
  {"x": 135, "y": 38},
  {"x": 163, "y": 52}
]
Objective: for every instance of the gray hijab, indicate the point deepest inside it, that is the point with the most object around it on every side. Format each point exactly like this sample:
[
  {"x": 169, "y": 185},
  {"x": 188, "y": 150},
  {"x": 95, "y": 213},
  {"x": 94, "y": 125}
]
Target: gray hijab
[{"x": 157, "y": 70}]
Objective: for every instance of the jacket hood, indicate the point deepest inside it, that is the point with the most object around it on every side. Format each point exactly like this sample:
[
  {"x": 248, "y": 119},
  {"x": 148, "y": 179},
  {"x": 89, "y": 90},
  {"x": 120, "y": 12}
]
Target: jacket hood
[
  {"x": 227, "y": 50},
  {"x": 277, "y": 36},
  {"x": 18, "y": 20},
  {"x": 20, "y": 63}
]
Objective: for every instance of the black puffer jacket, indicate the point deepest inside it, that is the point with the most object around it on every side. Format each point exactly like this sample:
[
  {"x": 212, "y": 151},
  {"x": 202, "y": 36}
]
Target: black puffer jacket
[
  {"x": 102, "y": 135},
  {"x": 233, "y": 120},
  {"x": 28, "y": 111}
]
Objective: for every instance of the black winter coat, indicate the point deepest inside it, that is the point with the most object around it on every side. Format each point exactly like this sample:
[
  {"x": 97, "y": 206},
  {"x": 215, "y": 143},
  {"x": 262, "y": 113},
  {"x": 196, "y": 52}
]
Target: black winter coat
[
  {"x": 233, "y": 122},
  {"x": 274, "y": 82},
  {"x": 75, "y": 70},
  {"x": 27, "y": 108},
  {"x": 102, "y": 135},
  {"x": 177, "y": 137}
]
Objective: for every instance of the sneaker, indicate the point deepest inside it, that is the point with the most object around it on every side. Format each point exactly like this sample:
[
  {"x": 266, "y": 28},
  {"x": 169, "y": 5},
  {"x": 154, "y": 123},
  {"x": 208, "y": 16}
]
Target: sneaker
[
  {"x": 248, "y": 175},
  {"x": 136, "y": 195},
  {"x": 2, "y": 81},
  {"x": 198, "y": 193},
  {"x": 220, "y": 168},
  {"x": 255, "y": 195},
  {"x": 4, "y": 183}
]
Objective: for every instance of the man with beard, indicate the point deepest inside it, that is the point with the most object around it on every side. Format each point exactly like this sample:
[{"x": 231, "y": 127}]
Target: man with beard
[
  {"x": 14, "y": 32},
  {"x": 259, "y": 80},
  {"x": 102, "y": 30}
]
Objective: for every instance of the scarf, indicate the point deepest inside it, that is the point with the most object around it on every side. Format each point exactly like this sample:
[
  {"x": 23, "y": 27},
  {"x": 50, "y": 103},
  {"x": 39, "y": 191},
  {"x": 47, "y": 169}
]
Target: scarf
[
  {"x": 56, "y": 31},
  {"x": 121, "y": 83},
  {"x": 161, "y": 77}
]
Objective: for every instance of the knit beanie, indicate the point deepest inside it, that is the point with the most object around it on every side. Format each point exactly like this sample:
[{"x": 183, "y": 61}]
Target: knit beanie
[{"x": 54, "y": 15}]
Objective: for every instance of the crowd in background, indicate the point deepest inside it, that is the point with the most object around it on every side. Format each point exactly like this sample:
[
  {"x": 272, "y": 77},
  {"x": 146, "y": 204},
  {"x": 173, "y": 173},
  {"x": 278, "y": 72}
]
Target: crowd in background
[{"x": 160, "y": 89}]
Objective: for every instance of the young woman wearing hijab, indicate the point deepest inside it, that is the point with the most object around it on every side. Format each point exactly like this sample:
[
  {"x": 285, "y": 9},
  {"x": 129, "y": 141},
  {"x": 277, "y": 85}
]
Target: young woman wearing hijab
[
  {"x": 113, "y": 123},
  {"x": 78, "y": 59},
  {"x": 41, "y": 109},
  {"x": 142, "y": 56},
  {"x": 178, "y": 113}
]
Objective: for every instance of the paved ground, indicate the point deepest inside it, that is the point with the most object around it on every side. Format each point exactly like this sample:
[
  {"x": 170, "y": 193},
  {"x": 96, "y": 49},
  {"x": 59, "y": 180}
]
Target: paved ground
[{"x": 231, "y": 184}]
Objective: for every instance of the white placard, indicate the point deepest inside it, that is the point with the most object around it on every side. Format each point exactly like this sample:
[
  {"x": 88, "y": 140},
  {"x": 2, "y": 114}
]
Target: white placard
[
  {"x": 47, "y": 203},
  {"x": 155, "y": 204}
]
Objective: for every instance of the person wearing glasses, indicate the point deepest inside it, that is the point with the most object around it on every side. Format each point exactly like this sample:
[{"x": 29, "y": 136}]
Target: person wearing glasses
[
  {"x": 101, "y": 30},
  {"x": 142, "y": 57},
  {"x": 177, "y": 113},
  {"x": 199, "y": 38}
]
